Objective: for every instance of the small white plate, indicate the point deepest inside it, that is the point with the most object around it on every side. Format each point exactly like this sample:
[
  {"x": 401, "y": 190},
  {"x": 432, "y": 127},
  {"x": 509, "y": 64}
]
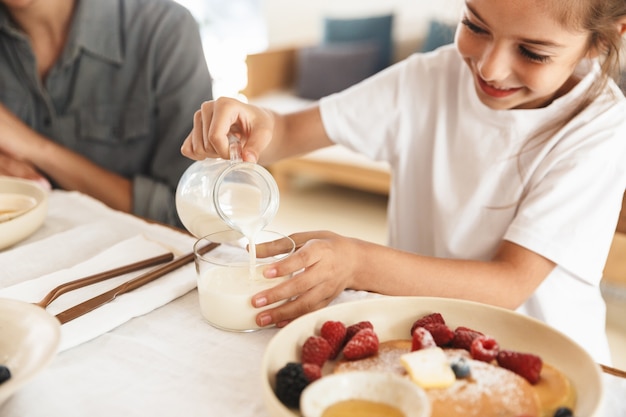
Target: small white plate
[
  {"x": 379, "y": 387},
  {"x": 19, "y": 228},
  {"x": 29, "y": 339}
]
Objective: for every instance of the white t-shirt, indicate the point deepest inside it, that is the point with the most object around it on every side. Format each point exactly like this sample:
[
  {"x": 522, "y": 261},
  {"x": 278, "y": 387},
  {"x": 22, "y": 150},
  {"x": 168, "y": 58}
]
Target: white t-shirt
[{"x": 466, "y": 176}]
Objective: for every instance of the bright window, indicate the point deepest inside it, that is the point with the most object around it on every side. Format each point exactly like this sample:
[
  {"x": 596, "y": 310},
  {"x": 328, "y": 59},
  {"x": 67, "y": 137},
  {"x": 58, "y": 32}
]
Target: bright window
[{"x": 230, "y": 30}]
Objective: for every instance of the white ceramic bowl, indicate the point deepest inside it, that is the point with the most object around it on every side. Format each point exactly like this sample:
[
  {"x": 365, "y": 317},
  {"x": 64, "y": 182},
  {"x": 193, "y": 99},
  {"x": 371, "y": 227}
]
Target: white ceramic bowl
[
  {"x": 14, "y": 205},
  {"x": 391, "y": 389},
  {"x": 19, "y": 228},
  {"x": 29, "y": 339},
  {"x": 392, "y": 318}
]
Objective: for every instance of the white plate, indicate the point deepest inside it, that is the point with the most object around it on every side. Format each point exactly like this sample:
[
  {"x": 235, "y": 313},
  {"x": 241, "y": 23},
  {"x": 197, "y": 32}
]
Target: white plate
[
  {"x": 29, "y": 339},
  {"x": 19, "y": 228},
  {"x": 392, "y": 318}
]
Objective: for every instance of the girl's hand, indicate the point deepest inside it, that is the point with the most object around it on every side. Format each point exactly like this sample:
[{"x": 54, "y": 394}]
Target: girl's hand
[
  {"x": 217, "y": 119},
  {"x": 327, "y": 262}
]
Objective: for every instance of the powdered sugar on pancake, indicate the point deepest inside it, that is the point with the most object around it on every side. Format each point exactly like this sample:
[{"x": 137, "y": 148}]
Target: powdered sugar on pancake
[
  {"x": 490, "y": 391},
  {"x": 387, "y": 359}
]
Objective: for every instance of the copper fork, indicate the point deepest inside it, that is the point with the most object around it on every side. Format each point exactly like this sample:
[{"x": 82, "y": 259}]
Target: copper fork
[{"x": 102, "y": 276}]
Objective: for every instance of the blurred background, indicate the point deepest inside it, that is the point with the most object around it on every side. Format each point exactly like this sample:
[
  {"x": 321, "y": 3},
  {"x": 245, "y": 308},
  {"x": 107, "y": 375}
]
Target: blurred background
[{"x": 231, "y": 29}]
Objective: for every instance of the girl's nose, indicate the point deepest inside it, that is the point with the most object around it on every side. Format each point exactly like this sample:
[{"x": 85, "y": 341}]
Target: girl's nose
[{"x": 494, "y": 64}]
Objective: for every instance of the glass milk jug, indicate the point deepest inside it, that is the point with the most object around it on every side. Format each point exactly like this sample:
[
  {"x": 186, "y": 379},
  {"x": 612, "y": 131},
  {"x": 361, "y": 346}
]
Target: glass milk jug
[{"x": 216, "y": 192}]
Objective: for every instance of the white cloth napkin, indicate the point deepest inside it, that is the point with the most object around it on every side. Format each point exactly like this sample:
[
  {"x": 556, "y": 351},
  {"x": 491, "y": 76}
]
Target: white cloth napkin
[
  {"x": 80, "y": 249},
  {"x": 124, "y": 307}
]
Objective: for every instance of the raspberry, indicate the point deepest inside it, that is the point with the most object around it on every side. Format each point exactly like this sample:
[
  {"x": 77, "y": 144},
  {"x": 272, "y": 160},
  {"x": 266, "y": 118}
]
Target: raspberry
[
  {"x": 354, "y": 329},
  {"x": 463, "y": 337},
  {"x": 316, "y": 350},
  {"x": 428, "y": 319},
  {"x": 526, "y": 365},
  {"x": 312, "y": 371},
  {"x": 484, "y": 348},
  {"x": 441, "y": 333},
  {"x": 290, "y": 382},
  {"x": 422, "y": 339},
  {"x": 362, "y": 345},
  {"x": 335, "y": 333}
]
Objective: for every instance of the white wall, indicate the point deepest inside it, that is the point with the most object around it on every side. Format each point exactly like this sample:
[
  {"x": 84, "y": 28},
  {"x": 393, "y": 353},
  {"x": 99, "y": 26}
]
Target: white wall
[
  {"x": 298, "y": 22},
  {"x": 233, "y": 28}
]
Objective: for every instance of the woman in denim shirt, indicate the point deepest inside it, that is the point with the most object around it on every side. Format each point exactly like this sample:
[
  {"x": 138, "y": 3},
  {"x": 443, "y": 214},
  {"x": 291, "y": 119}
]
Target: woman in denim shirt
[{"x": 96, "y": 96}]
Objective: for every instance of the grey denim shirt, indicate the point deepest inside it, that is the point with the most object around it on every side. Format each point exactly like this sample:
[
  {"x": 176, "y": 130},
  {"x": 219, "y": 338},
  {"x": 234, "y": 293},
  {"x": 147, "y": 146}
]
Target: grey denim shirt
[{"x": 123, "y": 92}]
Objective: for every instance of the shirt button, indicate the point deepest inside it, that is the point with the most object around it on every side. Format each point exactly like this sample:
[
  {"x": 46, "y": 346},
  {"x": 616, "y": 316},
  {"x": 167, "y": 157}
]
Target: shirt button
[{"x": 47, "y": 121}]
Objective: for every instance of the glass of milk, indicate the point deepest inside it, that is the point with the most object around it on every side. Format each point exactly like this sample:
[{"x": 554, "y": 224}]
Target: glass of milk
[{"x": 229, "y": 275}]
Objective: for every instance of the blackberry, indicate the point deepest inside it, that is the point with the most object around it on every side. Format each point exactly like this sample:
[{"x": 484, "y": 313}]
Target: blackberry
[
  {"x": 5, "y": 374},
  {"x": 290, "y": 382},
  {"x": 563, "y": 412}
]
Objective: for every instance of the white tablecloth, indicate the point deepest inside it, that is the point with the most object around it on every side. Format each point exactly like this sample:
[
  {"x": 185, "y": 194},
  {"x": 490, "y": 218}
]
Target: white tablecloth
[{"x": 168, "y": 362}]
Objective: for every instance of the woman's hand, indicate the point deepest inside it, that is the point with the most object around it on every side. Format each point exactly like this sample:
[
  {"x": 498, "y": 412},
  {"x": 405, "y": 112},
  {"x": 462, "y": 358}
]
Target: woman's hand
[
  {"x": 219, "y": 118},
  {"x": 20, "y": 141},
  {"x": 323, "y": 266},
  {"x": 12, "y": 167}
]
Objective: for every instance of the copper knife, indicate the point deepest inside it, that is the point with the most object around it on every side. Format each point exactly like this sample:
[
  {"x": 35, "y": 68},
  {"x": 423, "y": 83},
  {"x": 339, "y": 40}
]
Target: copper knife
[{"x": 108, "y": 296}]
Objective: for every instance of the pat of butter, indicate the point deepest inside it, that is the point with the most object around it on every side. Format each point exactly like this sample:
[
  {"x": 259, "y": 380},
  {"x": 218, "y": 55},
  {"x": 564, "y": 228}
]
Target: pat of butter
[{"x": 429, "y": 368}]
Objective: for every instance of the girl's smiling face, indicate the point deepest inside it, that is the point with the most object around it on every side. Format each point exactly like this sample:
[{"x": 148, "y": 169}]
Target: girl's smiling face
[{"x": 521, "y": 57}]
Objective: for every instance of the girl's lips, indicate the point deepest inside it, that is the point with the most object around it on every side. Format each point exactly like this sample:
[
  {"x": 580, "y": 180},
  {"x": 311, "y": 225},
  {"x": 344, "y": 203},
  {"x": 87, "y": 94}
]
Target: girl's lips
[{"x": 495, "y": 92}]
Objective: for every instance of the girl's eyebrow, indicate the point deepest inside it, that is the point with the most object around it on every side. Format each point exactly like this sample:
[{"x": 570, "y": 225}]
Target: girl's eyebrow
[{"x": 538, "y": 42}]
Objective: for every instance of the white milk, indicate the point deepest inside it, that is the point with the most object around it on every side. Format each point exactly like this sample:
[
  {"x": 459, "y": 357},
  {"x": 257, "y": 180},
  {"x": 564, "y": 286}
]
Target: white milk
[
  {"x": 225, "y": 296},
  {"x": 199, "y": 220},
  {"x": 241, "y": 203},
  {"x": 244, "y": 205}
]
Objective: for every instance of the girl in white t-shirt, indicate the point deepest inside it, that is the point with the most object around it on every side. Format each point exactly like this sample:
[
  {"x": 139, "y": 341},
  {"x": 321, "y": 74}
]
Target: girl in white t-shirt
[{"x": 508, "y": 153}]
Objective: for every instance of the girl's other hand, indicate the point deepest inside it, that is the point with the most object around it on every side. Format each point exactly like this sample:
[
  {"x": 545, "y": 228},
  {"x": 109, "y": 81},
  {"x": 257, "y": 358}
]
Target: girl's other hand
[
  {"x": 217, "y": 119},
  {"x": 323, "y": 266}
]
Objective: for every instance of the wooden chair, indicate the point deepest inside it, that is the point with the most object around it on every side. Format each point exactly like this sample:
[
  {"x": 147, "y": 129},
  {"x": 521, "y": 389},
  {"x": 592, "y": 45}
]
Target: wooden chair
[
  {"x": 621, "y": 224},
  {"x": 615, "y": 268}
]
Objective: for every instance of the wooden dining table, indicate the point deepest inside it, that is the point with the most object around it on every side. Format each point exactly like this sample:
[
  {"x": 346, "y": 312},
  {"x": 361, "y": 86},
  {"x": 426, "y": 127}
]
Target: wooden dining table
[{"x": 161, "y": 360}]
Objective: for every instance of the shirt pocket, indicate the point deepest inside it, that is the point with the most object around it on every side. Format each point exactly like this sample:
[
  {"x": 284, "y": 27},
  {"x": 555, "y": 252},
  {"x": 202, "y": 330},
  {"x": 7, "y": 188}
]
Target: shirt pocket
[{"x": 114, "y": 124}]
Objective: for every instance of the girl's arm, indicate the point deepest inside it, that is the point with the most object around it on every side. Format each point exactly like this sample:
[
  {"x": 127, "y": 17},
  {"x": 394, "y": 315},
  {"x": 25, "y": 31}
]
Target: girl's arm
[
  {"x": 507, "y": 280},
  {"x": 333, "y": 263}
]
